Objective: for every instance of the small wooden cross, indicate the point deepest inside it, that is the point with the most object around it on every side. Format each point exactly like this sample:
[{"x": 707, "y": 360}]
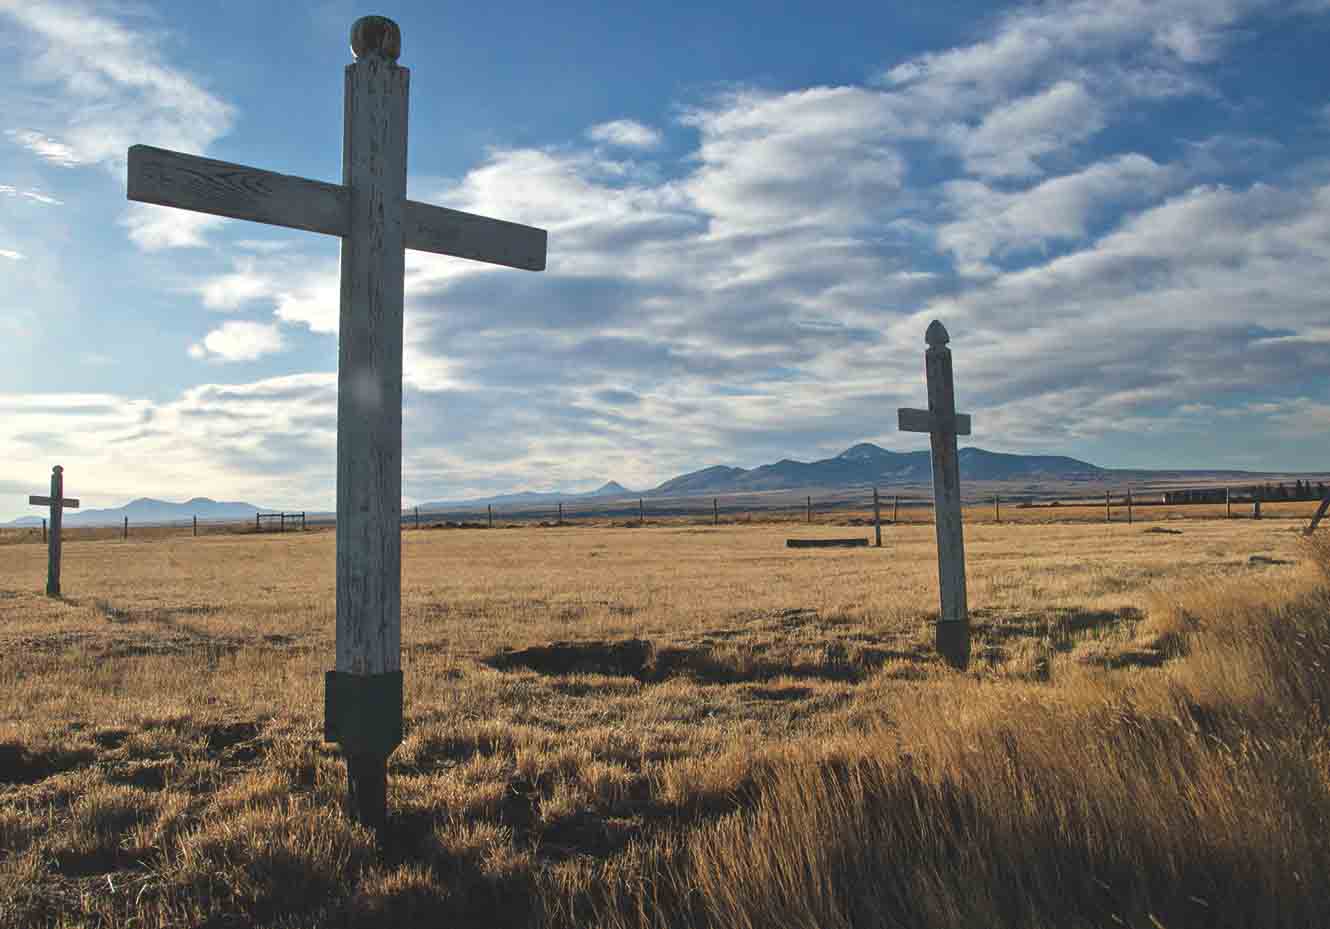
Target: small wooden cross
[
  {"x": 376, "y": 222},
  {"x": 58, "y": 503},
  {"x": 943, "y": 424}
]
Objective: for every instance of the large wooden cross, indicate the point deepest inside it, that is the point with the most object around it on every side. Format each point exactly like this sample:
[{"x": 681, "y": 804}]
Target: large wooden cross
[
  {"x": 370, "y": 212},
  {"x": 58, "y": 503},
  {"x": 943, "y": 424}
]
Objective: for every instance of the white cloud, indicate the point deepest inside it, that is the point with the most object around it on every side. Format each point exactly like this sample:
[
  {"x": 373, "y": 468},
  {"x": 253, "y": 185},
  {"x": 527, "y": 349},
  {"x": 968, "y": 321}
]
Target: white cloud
[
  {"x": 1012, "y": 137},
  {"x": 993, "y": 222},
  {"x": 239, "y": 340},
  {"x": 153, "y": 228},
  {"x": 99, "y": 87},
  {"x": 46, "y": 148},
  {"x": 819, "y": 157},
  {"x": 11, "y": 254},
  {"x": 8, "y": 190},
  {"x": 626, "y": 133}
]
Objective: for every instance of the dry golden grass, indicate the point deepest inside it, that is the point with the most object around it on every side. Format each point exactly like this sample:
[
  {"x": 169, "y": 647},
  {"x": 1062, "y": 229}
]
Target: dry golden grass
[{"x": 732, "y": 734}]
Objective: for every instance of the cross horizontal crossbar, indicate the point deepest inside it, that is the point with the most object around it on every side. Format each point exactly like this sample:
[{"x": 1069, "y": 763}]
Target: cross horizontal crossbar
[
  {"x": 167, "y": 178},
  {"x": 68, "y": 502},
  {"x": 925, "y": 421}
]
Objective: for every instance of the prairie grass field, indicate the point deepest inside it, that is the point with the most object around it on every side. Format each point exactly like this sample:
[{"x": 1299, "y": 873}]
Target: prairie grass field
[{"x": 681, "y": 725}]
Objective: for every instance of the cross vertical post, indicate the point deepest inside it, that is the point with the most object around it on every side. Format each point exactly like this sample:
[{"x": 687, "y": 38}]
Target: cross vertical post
[
  {"x": 369, "y": 408},
  {"x": 943, "y": 424},
  {"x": 369, "y": 212},
  {"x": 877, "y": 519},
  {"x": 57, "y": 502}
]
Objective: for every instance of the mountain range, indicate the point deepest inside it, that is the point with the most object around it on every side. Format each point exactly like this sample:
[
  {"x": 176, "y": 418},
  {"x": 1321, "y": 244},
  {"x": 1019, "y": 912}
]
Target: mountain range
[
  {"x": 146, "y": 510},
  {"x": 859, "y": 465}
]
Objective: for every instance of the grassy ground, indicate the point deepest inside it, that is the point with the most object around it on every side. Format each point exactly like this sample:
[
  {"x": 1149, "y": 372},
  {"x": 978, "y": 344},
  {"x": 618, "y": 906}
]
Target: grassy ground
[{"x": 729, "y": 733}]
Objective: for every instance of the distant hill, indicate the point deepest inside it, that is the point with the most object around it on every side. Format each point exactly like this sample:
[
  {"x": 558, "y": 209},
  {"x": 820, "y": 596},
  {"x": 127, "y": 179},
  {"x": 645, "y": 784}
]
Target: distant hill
[
  {"x": 146, "y": 510},
  {"x": 607, "y": 491},
  {"x": 867, "y": 463}
]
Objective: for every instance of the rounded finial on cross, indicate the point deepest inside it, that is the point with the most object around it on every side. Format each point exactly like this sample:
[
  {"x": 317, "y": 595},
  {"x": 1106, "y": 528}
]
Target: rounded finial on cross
[
  {"x": 376, "y": 34},
  {"x": 57, "y": 469},
  {"x": 937, "y": 334}
]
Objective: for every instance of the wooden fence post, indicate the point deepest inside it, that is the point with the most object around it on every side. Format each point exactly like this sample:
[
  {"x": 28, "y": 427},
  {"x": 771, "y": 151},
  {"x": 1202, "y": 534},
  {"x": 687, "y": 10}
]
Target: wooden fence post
[
  {"x": 1256, "y": 508},
  {"x": 715, "y": 511},
  {"x": 125, "y": 532},
  {"x": 196, "y": 524},
  {"x": 1130, "y": 515},
  {"x": 877, "y": 519},
  {"x": 895, "y": 508},
  {"x": 1108, "y": 512},
  {"x": 560, "y": 512},
  {"x": 1228, "y": 503},
  {"x": 490, "y": 508},
  {"x": 810, "y": 509},
  {"x": 302, "y": 520},
  {"x": 997, "y": 508},
  {"x": 281, "y": 521},
  {"x": 641, "y": 512},
  {"x": 43, "y": 530},
  {"x": 256, "y": 521}
]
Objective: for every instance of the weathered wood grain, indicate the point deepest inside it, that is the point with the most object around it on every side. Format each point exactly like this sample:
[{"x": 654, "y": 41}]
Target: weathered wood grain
[
  {"x": 221, "y": 188},
  {"x": 204, "y": 185},
  {"x": 877, "y": 519},
  {"x": 68, "y": 503},
  {"x": 942, "y": 424},
  {"x": 369, "y": 370},
  {"x": 923, "y": 421},
  {"x": 437, "y": 229}
]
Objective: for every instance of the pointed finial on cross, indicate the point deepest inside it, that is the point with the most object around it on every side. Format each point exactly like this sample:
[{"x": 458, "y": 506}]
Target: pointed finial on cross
[
  {"x": 936, "y": 336},
  {"x": 376, "y": 34}
]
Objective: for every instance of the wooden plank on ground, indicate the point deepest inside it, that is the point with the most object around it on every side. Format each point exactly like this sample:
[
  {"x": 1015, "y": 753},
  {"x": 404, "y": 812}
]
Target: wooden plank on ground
[{"x": 826, "y": 543}]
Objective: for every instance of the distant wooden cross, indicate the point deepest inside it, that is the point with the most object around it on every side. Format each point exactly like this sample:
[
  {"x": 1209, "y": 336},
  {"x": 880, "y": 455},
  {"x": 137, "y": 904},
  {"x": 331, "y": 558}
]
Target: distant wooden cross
[
  {"x": 58, "y": 503},
  {"x": 369, "y": 211},
  {"x": 943, "y": 424}
]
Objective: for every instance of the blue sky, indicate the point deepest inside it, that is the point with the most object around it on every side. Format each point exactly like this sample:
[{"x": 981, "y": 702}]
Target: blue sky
[{"x": 1120, "y": 209}]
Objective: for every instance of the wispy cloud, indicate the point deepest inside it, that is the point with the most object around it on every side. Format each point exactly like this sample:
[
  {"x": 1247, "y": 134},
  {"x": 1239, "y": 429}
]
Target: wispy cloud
[
  {"x": 108, "y": 86},
  {"x": 11, "y": 254},
  {"x": 48, "y": 149},
  {"x": 626, "y": 133}
]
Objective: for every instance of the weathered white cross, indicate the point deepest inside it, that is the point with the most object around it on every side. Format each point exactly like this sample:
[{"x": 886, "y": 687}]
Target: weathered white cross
[
  {"x": 370, "y": 212},
  {"x": 943, "y": 424},
  {"x": 58, "y": 502}
]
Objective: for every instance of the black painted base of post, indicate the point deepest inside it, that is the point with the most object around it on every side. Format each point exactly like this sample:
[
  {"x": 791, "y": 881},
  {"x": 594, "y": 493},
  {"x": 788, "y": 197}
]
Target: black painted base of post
[
  {"x": 367, "y": 789},
  {"x": 953, "y": 643},
  {"x": 363, "y": 713}
]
